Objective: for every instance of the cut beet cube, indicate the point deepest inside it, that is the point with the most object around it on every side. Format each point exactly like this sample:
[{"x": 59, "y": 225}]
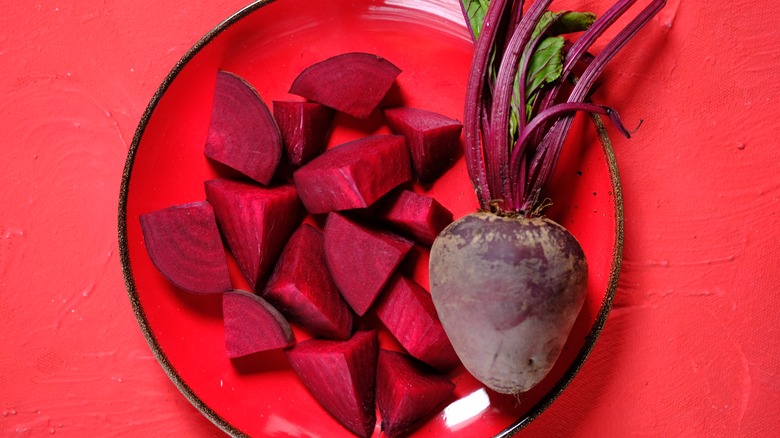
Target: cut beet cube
[
  {"x": 353, "y": 83},
  {"x": 302, "y": 289},
  {"x": 242, "y": 133},
  {"x": 305, "y": 127},
  {"x": 354, "y": 174},
  {"x": 183, "y": 243},
  {"x": 360, "y": 259},
  {"x": 432, "y": 137},
  {"x": 407, "y": 310},
  {"x": 341, "y": 375},
  {"x": 256, "y": 222},
  {"x": 252, "y": 325},
  {"x": 407, "y": 391},
  {"x": 419, "y": 216}
]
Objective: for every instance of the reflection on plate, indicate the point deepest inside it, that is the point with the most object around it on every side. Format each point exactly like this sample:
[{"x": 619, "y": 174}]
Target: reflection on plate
[{"x": 269, "y": 43}]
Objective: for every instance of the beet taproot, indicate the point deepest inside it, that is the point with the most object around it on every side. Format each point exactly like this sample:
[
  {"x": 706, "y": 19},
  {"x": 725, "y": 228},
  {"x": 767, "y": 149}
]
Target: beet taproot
[
  {"x": 361, "y": 259},
  {"x": 301, "y": 287},
  {"x": 407, "y": 391},
  {"x": 242, "y": 133},
  {"x": 353, "y": 83},
  {"x": 341, "y": 375},
  {"x": 183, "y": 243},
  {"x": 304, "y": 127},
  {"x": 419, "y": 216},
  {"x": 256, "y": 222},
  {"x": 252, "y": 325},
  {"x": 354, "y": 174},
  {"x": 519, "y": 283},
  {"x": 433, "y": 139}
]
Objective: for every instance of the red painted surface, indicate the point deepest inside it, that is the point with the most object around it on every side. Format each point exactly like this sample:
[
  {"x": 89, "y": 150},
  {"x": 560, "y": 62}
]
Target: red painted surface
[{"x": 691, "y": 348}]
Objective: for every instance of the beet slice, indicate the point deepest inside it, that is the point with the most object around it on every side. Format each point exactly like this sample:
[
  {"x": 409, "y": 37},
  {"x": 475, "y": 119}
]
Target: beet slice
[
  {"x": 407, "y": 391},
  {"x": 256, "y": 222},
  {"x": 302, "y": 289},
  {"x": 341, "y": 375},
  {"x": 419, "y": 216},
  {"x": 433, "y": 139},
  {"x": 252, "y": 325},
  {"x": 242, "y": 133},
  {"x": 305, "y": 127},
  {"x": 183, "y": 243},
  {"x": 354, "y": 174},
  {"x": 360, "y": 259},
  {"x": 353, "y": 83},
  {"x": 407, "y": 310}
]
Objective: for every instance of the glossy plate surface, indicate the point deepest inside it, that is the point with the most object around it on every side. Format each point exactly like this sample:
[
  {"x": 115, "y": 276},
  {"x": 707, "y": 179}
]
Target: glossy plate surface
[{"x": 269, "y": 43}]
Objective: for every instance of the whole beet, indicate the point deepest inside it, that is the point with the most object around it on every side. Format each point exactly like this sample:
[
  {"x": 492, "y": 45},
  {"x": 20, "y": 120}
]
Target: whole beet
[{"x": 507, "y": 291}]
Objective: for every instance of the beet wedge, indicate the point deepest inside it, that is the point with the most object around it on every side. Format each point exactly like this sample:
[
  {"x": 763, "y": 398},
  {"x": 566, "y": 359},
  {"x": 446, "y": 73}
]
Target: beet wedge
[
  {"x": 433, "y": 139},
  {"x": 183, "y": 243},
  {"x": 407, "y": 310},
  {"x": 304, "y": 127},
  {"x": 302, "y": 289},
  {"x": 415, "y": 215},
  {"x": 341, "y": 375},
  {"x": 360, "y": 259},
  {"x": 252, "y": 325},
  {"x": 407, "y": 391},
  {"x": 242, "y": 133},
  {"x": 354, "y": 174},
  {"x": 256, "y": 222},
  {"x": 353, "y": 83}
]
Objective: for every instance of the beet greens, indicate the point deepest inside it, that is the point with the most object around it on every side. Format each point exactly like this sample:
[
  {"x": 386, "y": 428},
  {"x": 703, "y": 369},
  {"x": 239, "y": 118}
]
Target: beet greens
[{"x": 519, "y": 101}]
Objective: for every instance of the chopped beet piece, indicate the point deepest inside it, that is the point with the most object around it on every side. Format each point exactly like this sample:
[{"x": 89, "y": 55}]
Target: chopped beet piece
[
  {"x": 184, "y": 244},
  {"x": 353, "y": 83},
  {"x": 407, "y": 310},
  {"x": 432, "y": 138},
  {"x": 243, "y": 134},
  {"x": 301, "y": 287},
  {"x": 360, "y": 259},
  {"x": 407, "y": 391},
  {"x": 305, "y": 127},
  {"x": 252, "y": 325},
  {"x": 256, "y": 222},
  {"x": 354, "y": 174},
  {"x": 341, "y": 375},
  {"x": 419, "y": 216}
]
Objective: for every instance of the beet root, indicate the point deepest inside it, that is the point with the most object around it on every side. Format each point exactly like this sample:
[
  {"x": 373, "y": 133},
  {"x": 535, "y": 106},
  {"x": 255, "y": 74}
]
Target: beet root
[
  {"x": 416, "y": 215},
  {"x": 305, "y": 127},
  {"x": 361, "y": 260},
  {"x": 507, "y": 291},
  {"x": 407, "y": 391},
  {"x": 242, "y": 133},
  {"x": 353, "y": 83},
  {"x": 301, "y": 287},
  {"x": 341, "y": 375},
  {"x": 252, "y": 325},
  {"x": 183, "y": 243}
]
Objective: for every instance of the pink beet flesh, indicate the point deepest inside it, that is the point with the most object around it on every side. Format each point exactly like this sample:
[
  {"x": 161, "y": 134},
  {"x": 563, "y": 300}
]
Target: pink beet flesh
[
  {"x": 354, "y": 174},
  {"x": 407, "y": 310},
  {"x": 305, "y": 127},
  {"x": 184, "y": 244},
  {"x": 353, "y": 83},
  {"x": 341, "y": 375},
  {"x": 252, "y": 325},
  {"x": 419, "y": 216},
  {"x": 361, "y": 260},
  {"x": 242, "y": 133},
  {"x": 302, "y": 289},
  {"x": 433, "y": 139},
  {"x": 256, "y": 222},
  {"x": 407, "y": 391}
]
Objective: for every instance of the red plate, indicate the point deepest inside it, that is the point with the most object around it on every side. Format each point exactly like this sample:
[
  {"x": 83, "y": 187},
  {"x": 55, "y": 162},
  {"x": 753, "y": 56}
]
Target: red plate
[{"x": 269, "y": 43}]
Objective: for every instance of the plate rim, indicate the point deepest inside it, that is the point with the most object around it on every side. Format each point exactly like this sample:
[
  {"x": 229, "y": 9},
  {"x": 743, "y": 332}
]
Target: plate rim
[{"x": 532, "y": 413}]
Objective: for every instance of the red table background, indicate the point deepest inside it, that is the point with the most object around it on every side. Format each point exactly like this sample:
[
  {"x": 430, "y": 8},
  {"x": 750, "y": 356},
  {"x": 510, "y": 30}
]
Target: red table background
[{"x": 691, "y": 348}]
